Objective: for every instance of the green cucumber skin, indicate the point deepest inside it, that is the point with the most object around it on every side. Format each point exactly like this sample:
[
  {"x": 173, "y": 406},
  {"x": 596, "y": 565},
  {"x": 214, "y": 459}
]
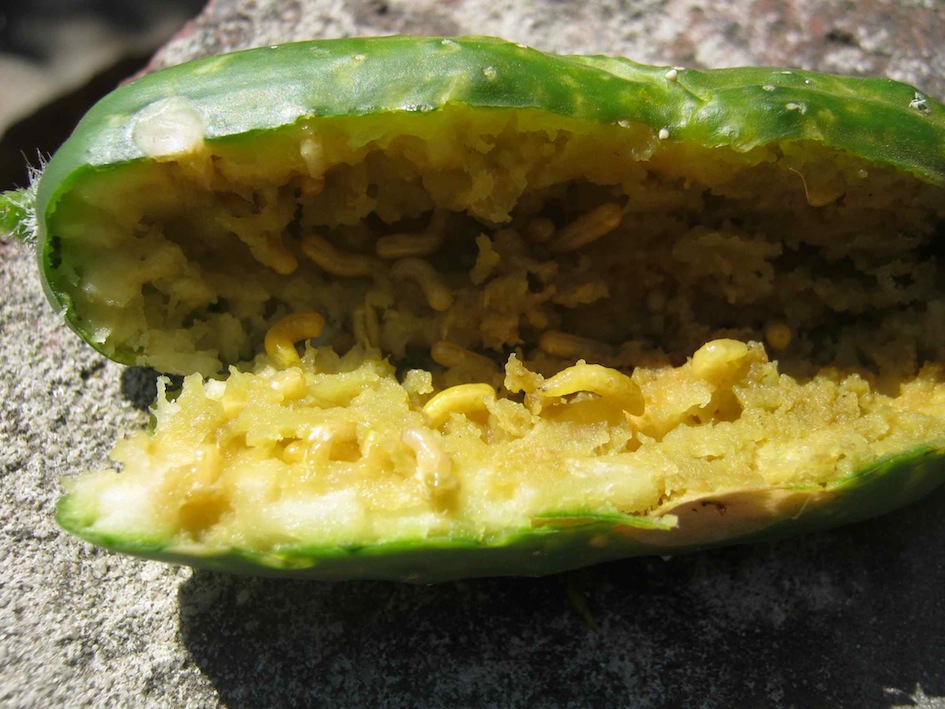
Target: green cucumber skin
[
  {"x": 244, "y": 93},
  {"x": 880, "y": 488},
  {"x": 269, "y": 88}
]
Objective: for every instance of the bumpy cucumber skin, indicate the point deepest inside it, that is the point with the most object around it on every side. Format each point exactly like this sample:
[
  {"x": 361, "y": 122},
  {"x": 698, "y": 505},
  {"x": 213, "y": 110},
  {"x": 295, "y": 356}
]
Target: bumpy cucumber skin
[
  {"x": 568, "y": 541},
  {"x": 240, "y": 95}
]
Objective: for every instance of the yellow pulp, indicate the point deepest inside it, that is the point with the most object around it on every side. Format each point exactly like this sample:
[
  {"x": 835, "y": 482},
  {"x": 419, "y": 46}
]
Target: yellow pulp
[{"x": 500, "y": 318}]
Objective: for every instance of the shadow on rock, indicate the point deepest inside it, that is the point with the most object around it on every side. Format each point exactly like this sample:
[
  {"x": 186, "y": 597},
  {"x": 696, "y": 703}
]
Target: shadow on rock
[
  {"x": 139, "y": 386},
  {"x": 851, "y": 617}
]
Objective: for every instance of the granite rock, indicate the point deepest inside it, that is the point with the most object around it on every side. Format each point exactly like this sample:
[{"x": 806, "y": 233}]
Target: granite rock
[{"x": 854, "y": 617}]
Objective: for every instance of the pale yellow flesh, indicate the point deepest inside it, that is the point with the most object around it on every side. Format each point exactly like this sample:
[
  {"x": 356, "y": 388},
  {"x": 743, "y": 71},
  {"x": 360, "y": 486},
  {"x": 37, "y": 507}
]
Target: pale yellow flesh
[{"x": 461, "y": 285}]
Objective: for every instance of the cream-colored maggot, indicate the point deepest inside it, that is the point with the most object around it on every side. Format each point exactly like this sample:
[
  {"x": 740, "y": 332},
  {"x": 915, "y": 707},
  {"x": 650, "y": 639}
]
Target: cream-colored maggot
[
  {"x": 594, "y": 378},
  {"x": 460, "y": 399},
  {"x": 416, "y": 244},
  {"x": 438, "y": 296},
  {"x": 284, "y": 333},
  {"x": 336, "y": 261}
]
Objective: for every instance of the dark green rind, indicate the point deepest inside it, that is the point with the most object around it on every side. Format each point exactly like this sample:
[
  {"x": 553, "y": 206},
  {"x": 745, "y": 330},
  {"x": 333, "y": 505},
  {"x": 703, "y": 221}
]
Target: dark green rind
[
  {"x": 879, "y": 119},
  {"x": 244, "y": 93},
  {"x": 578, "y": 540}
]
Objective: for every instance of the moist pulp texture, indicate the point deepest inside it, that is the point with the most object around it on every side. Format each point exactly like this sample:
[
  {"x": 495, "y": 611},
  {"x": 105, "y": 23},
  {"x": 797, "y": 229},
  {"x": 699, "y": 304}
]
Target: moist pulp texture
[{"x": 513, "y": 317}]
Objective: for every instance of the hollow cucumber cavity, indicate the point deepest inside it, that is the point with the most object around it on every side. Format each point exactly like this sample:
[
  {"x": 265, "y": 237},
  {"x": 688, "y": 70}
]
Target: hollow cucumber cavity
[{"x": 472, "y": 325}]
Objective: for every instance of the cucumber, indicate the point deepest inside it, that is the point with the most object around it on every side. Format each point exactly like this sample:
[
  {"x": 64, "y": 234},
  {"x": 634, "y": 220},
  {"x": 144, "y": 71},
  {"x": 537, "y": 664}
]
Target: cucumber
[{"x": 455, "y": 307}]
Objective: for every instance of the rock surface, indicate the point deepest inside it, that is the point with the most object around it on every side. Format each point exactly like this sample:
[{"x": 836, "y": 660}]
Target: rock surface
[
  {"x": 853, "y": 617},
  {"x": 901, "y": 40}
]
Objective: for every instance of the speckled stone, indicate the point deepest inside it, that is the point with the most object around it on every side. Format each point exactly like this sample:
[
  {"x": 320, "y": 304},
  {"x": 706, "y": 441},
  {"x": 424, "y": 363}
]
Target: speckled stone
[
  {"x": 850, "y": 618},
  {"x": 901, "y": 39}
]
